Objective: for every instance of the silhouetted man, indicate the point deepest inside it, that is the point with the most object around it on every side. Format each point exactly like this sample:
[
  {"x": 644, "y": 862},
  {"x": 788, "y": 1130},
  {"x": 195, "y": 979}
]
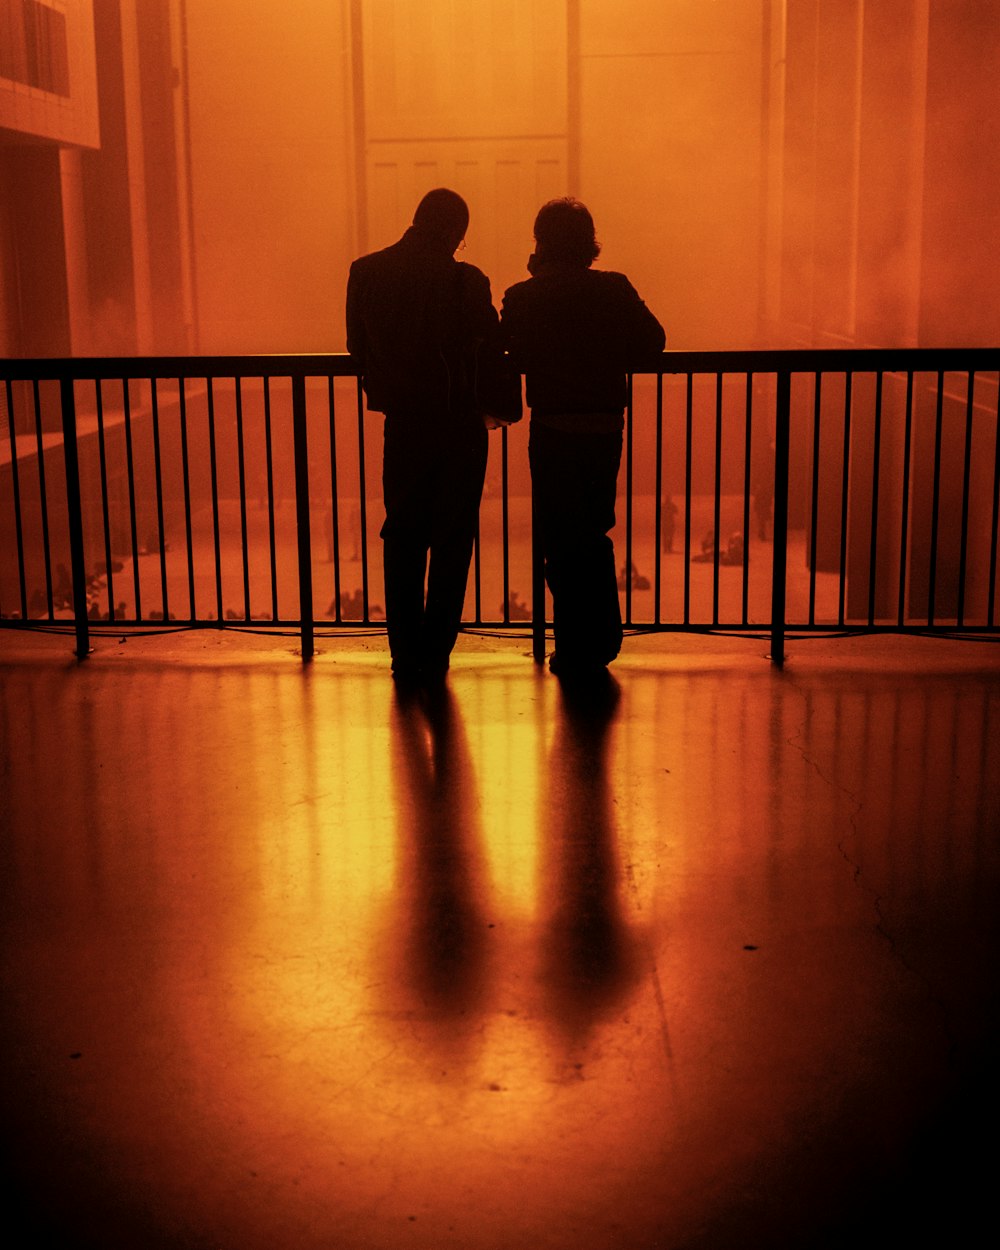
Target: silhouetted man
[
  {"x": 575, "y": 332},
  {"x": 416, "y": 319}
]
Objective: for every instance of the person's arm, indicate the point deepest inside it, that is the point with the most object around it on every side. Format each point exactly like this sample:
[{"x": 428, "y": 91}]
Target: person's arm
[
  {"x": 478, "y": 313},
  {"x": 642, "y": 333},
  {"x": 510, "y": 325},
  {"x": 498, "y": 383},
  {"x": 355, "y": 321}
]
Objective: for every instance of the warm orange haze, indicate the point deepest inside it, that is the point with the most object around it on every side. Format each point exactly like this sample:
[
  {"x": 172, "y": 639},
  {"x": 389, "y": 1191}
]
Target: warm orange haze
[
  {"x": 699, "y": 956},
  {"x": 290, "y": 965},
  {"x": 779, "y": 173},
  {"x": 770, "y": 174}
]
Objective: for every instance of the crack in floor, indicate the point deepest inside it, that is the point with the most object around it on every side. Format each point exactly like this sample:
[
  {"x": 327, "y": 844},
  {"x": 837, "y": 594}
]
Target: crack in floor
[{"x": 881, "y": 924}]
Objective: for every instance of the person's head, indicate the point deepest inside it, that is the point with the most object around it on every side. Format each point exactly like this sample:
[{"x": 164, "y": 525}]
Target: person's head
[
  {"x": 444, "y": 216},
  {"x": 564, "y": 233}
]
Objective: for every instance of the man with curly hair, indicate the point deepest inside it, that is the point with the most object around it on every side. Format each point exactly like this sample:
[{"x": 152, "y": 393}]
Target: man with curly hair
[{"x": 576, "y": 332}]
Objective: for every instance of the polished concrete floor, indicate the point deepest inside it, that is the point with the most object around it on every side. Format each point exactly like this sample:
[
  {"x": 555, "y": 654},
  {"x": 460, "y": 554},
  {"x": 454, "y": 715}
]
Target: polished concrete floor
[{"x": 704, "y": 958}]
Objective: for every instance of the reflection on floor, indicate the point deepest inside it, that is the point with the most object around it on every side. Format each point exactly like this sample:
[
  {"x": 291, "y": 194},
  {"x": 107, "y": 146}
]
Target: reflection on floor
[{"x": 703, "y": 958}]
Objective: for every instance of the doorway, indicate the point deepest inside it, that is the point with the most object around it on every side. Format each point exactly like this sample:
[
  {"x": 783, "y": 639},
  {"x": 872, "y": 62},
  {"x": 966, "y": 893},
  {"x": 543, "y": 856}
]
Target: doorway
[{"x": 468, "y": 94}]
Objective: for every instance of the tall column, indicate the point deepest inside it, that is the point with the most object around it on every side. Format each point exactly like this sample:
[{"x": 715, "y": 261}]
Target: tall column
[
  {"x": 75, "y": 241},
  {"x": 135, "y": 156}
]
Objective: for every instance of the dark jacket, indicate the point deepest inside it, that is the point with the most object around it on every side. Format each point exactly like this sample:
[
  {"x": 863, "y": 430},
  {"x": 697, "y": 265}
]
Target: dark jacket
[
  {"x": 415, "y": 317},
  {"x": 575, "y": 333}
]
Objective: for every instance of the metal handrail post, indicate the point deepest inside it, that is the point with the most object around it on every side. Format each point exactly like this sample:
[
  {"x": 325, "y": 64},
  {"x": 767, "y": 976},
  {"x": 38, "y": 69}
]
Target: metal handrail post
[
  {"x": 74, "y": 512},
  {"x": 301, "y": 449},
  {"x": 779, "y": 568}
]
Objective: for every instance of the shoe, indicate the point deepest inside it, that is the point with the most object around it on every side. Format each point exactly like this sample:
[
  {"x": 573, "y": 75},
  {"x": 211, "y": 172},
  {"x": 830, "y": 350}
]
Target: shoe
[
  {"x": 434, "y": 668},
  {"x": 434, "y": 674},
  {"x": 405, "y": 673}
]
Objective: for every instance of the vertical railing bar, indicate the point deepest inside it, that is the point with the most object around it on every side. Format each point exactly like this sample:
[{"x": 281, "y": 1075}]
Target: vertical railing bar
[
  {"x": 130, "y": 472},
  {"x": 74, "y": 514},
  {"x": 214, "y": 478},
  {"x": 966, "y": 481},
  {"x": 158, "y": 474},
  {"x": 505, "y": 523},
  {"x": 814, "y": 500},
  {"x": 105, "y": 508},
  {"x": 302, "y": 515},
  {"x": 16, "y": 487},
  {"x": 628, "y": 501},
  {"x": 936, "y": 498},
  {"x": 996, "y": 518},
  {"x": 689, "y": 426},
  {"x": 658, "y": 506},
  {"x": 269, "y": 461},
  {"x": 363, "y": 504},
  {"x": 186, "y": 475},
  {"x": 905, "y": 501},
  {"x": 43, "y": 496},
  {"x": 717, "y": 515},
  {"x": 876, "y": 457},
  {"x": 782, "y": 424},
  {"x": 241, "y": 461},
  {"x": 131, "y": 449},
  {"x": 844, "y": 495},
  {"x": 747, "y": 452},
  {"x": 334, "y": 497}
]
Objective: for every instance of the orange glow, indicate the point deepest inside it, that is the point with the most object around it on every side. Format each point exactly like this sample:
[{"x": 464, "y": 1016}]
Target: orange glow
[
  {"x": 771, "y": 174},
  {"x": 402, "y": 929},
  {"x": 322, "y": 988}
]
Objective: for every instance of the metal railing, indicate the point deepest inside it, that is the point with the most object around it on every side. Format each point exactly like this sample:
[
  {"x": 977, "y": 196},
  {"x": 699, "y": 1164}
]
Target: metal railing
[{"x": 769, "y": 492}]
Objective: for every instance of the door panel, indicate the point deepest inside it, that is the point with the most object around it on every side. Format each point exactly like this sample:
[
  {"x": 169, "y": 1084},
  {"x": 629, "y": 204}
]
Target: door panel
[{"x": 468, "y": 94}]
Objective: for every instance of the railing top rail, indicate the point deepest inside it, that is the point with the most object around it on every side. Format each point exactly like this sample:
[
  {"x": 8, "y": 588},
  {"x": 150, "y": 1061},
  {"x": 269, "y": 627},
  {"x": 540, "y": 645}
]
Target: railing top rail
[
  {"x": 339, "y": 364},
  {"x": 332, "y": 364},
  {"x": 831, "y": 360}
]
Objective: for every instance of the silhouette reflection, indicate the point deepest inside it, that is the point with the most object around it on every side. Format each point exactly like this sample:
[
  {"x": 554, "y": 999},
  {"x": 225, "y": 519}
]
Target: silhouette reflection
[
  {"x": 440, "y": 944},
  {"x": 589, "y": 959}
]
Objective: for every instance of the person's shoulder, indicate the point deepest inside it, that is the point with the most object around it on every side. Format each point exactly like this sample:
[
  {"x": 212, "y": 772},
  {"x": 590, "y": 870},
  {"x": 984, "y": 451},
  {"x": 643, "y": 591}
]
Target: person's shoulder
[
  {"x": 519, "y": 291},
  {"x": 614, "y": 286},
  {"x": 393, "y": 253},
  {"x": 519, "y": 304},
  {"x": 473, "y": 287},
  {"x": 368, "y": 263},
  {"x": 471, "y": 276},
  {"x": 612, "y": 280}
]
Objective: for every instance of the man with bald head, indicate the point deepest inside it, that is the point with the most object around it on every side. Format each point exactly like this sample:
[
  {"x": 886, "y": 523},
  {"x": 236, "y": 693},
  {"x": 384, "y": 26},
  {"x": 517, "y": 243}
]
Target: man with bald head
[{"x": 416, "y": 319}]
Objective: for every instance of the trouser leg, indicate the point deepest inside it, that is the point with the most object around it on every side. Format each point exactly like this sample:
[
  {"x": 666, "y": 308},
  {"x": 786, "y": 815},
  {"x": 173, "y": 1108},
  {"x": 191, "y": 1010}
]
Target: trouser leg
[
  {"x": 404, "y": 563},
  {"x": 586, "y": 612},
  {"x": 459, "y": 488},
  {"x": 432, "y": 483},
  {"x": 405, "y": 542},
  {"x": 574, "y": 478}
]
